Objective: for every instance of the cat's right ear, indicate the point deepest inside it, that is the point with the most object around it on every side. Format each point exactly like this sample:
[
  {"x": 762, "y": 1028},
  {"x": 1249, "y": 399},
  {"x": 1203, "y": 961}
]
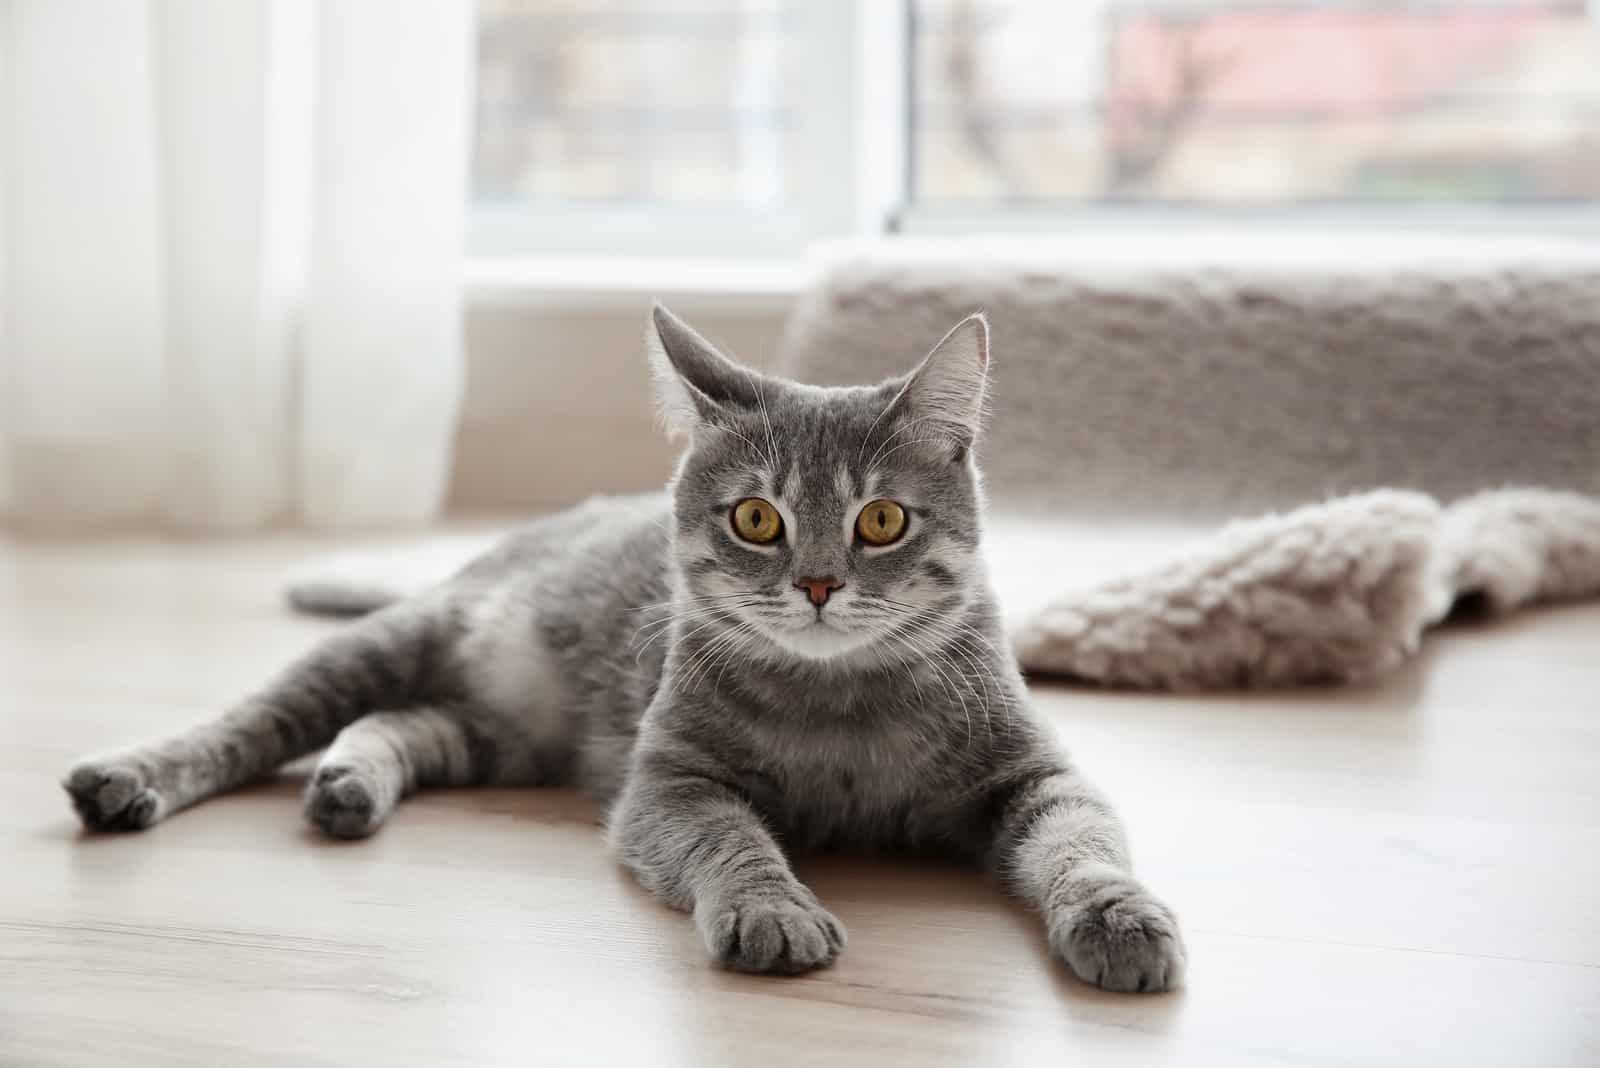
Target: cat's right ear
[{"x": 695, "y": 383}]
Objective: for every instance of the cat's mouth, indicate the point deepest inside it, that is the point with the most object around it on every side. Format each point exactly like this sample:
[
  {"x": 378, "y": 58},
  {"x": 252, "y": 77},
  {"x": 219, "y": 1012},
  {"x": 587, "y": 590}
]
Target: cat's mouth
[{"x": 819, "y": 638}]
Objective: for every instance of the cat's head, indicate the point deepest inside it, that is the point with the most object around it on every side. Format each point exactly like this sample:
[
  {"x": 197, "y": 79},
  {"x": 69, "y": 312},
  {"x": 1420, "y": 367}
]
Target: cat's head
[{"x": 827, "y": 521}]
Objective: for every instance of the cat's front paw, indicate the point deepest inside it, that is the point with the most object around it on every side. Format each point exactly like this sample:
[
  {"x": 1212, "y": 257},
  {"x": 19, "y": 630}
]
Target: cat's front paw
[
  {"x": 1121, "y": 938},
  {"x": 780, "y": 930},
  {"x": 112, "y": 795}
]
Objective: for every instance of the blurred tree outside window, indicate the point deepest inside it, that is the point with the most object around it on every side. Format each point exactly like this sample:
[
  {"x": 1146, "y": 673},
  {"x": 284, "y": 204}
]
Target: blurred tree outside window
[{"x": 1255, "y": 101}]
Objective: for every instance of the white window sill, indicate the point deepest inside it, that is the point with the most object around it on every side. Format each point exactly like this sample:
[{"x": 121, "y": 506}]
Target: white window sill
[
  {"x": 1401, "y": 221},
  {"x": 1131, "y": 236},
  {"x": 612, "y": 280}
]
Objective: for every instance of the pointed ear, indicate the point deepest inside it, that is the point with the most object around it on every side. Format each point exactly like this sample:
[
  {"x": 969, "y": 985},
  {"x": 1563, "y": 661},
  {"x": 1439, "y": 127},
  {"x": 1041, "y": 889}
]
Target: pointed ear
[
  {"x": 695, "y": 383},
  {"x": 947, "y": 391}
]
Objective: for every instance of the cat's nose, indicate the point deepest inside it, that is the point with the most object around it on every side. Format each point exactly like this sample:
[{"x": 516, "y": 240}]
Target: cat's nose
[{"x": 818, "y": 588}]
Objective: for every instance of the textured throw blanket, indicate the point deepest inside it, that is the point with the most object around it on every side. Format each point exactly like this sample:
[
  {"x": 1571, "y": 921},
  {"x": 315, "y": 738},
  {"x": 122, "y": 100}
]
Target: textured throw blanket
[
  {"x": 1214, "y": 379},
  {"x": 1338, "y": 592}
]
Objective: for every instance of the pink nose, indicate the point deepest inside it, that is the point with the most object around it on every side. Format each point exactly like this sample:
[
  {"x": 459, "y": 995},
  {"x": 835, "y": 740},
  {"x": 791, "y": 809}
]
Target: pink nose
[{"x": 818, "y": 588}]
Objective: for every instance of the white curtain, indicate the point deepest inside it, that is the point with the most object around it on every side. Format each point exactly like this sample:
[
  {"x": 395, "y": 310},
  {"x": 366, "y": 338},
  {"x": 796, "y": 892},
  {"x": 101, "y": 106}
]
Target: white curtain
[{"x": 229, "y": 237}]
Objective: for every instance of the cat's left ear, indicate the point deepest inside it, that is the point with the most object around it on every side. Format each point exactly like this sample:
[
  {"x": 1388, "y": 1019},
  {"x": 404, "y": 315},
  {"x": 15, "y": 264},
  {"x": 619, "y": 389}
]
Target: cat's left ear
[
  {"x": 947, "y": 391},
  {"x": 695, "y": 383}
]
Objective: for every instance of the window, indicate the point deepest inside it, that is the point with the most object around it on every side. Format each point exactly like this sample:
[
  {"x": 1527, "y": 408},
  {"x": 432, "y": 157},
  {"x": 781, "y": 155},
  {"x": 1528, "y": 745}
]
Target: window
[
  {"x": 635, "y": 103},
  {"x": 755, "y": 126},
  {"x": 670, "y": 125}
]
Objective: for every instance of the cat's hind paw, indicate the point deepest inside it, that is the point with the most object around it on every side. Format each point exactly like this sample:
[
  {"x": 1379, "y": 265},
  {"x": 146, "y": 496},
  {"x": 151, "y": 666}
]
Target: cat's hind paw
[
  {"x": 346, "y": 803},
  {"x": 112, "y": 795},
  {"x": 781, "y": 931},
  {"x": 1122, "y": 939}
]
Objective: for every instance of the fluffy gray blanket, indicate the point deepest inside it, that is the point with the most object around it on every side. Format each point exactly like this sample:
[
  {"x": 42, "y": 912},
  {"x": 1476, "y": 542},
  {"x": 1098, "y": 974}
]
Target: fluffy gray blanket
[{"x": 1226, "y": 377}]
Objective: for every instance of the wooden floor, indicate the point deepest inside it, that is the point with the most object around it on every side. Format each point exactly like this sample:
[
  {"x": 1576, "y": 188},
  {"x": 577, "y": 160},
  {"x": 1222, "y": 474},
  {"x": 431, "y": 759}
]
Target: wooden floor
[{"x": 1406, "y": 876}]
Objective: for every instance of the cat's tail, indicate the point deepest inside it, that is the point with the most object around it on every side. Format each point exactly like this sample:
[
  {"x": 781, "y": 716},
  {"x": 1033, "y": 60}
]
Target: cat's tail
[
  {"x": 347, "y": 584},
  {"x": 333, "y": 595}
]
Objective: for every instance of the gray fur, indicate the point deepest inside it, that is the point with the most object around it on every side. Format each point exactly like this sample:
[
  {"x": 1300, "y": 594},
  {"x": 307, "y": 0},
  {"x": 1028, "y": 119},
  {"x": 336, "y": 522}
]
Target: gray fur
[{"x": 637, "y": 647}]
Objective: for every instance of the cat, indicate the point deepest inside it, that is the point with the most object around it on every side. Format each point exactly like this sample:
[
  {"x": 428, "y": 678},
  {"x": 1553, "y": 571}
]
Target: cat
[{"x": 794, "y": 648}]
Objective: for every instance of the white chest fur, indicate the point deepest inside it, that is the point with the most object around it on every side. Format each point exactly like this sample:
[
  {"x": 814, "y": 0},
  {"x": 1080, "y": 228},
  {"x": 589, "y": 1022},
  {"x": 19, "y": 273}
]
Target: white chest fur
[{"x": 508, "y": 671}]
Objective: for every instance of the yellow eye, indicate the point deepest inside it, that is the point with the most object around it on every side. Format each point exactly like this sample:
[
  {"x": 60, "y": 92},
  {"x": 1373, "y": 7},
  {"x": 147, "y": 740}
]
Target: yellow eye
[
  {"x": 756, "y": 520},
  {"x": 881, "y": 522}
]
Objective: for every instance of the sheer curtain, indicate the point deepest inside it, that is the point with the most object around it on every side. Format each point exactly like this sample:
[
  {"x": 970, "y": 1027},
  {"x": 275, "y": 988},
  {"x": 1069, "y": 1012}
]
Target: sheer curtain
[{"x": 229, "y": 236}]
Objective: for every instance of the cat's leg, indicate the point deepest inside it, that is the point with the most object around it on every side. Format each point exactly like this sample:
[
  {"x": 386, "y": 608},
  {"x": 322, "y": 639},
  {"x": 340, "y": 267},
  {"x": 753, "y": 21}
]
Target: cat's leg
[
  {"x": 380, "y": 661},
  {"x": 698, "y": 845},
  {"x": 385, "y": 756},
  {"x": 1059, "y": 847}
]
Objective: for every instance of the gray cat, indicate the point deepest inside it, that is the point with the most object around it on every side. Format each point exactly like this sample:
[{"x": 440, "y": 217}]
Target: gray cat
[{"x": 795, "y": 649}]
